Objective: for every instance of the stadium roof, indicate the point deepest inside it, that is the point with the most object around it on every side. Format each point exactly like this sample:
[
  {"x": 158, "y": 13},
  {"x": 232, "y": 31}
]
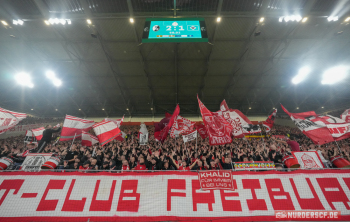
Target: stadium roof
[{"x": 247, "y": 62}]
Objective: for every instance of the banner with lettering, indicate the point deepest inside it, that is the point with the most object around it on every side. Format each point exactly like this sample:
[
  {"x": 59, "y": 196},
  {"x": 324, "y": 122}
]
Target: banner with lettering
[
  {"x": 216, "y": 180},
  {"x": 309, "y": 159},
  {"x": 169, "y": 196}
]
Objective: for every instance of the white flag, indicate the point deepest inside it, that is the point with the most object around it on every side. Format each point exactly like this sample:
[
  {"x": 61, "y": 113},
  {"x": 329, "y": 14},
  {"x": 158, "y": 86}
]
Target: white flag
[
  {"x": 346, "y": 115},
  {"x": 190, "y": 136},
  {"x": 143, "y": 134},
  {"x": 9, "y": 119}
]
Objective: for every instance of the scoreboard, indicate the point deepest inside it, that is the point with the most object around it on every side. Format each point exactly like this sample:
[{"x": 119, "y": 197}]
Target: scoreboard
[{"x": 174, "y": 30}]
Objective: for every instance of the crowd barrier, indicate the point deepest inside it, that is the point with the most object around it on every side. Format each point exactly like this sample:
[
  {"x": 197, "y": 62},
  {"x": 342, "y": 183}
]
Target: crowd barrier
[{"x": 170, "y": 196}]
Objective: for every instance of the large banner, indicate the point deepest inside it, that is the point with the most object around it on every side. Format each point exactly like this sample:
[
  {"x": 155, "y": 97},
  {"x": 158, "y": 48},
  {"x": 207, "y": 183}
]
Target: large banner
[
  {"x": 34, "y": 161},
  {"x": 169, "y": 196}
]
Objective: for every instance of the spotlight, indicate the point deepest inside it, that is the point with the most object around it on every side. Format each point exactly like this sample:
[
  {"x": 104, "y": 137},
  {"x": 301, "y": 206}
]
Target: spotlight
[
  {"x": 151, "y": 108},
  {"x": 334, "y": 75},
  {"x": 58, "y": 21},
  {"x": 127, "y": 108},
  {"x": 250, "y": 107},
  {"x": 218, "y": 19},
  {"x": 297, "y": 107},
  {"x": 332, "y": 18},
  {"x": 79, "y": 109},
  {"x": 103, "y": 109},
  {"x": 50, "y": 74},
  {"x": 69, "y": 21},
  {"x": 304, "y": 19},
  {"x": 4, "y": 23},
  {"x": 88, "y": 21},
  {"x": 261, "y": 19},
  {"x": 322, "y": 107},
  {"x": 56, "y": 109},
  {"x": 31, "y": 109},
  {"x": 273, "y": 108},
  {"x": 131, "y": 20},
  {"x": 47, "y": 22},
  {"x": 347, "y": 19},
  {"x": 291, "y": 18},
  {"x": 17, "y": 22},
  {"x": 303, "y": 72},
  {"x": 57, "y": 82},
  {"x": 24, "y": 79}
]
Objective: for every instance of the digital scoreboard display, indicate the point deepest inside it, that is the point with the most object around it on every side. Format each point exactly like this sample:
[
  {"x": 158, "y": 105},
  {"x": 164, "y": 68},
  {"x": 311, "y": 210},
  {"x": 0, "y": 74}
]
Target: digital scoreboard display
[{"x": 175, "y": 30}]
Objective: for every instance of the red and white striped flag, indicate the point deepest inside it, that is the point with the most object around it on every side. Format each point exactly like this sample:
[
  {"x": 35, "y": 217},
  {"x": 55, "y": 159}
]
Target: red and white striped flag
[
  {"x": 38, "y": 133},
  {"x": 9, "y": 119},
  {"x": 118, "y": 121},
  {"x": 25, "y": 153},
  {"x": 346, "y": 116},
  {"x": 106, "y": 131},
  {"x": 73, "y": 126},
  {"x": 88, "y": 140}
]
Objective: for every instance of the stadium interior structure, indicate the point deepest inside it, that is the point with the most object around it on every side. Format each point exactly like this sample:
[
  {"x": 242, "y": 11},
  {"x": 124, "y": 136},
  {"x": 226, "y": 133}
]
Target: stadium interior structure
[{"x": 174, "y": 110}]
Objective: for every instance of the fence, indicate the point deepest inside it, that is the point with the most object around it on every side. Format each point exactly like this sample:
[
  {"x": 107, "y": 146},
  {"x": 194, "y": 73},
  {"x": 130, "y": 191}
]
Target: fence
[{"x": 169, "y": 195}]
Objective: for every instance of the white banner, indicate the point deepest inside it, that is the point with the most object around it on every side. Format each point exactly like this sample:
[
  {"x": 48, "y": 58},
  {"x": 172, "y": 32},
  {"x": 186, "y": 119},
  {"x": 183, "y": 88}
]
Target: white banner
[
  {"x": 169, "y": 196},
  {"x": 34, "y": 161},
  {"x": 308, "y": 159},
  {"x": 190, "y": 137},
  {"x": 143, "y": 139}
]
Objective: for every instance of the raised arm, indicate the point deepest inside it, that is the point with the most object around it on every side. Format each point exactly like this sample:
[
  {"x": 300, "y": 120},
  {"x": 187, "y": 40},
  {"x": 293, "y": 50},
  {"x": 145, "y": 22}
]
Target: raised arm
[{"x": 193, "y": 164}]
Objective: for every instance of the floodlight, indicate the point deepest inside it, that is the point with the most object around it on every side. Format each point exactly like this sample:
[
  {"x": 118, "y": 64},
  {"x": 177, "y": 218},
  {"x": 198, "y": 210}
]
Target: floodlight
[
  {"x": 47, "y": 22},
  {"x": 69, "y": 21},
  {"x": 127, "y": 108},
  {"x": 332, "y": 18},
  {"x": 151, "y": 108},
  {"x": 4, "y": 22},
  {"x": 31, "y": 109},
  {"x": 131, "y": 20},
  {"x": 280, "y": 19},
  {"x": 250, "y": 107},
  {"x": 24, "y": 79},
  {"x": 322, "y": 107},
  {"x": 88, "y": 21},
  {"x": 261, "y": 19},
  {"x": 304, "y": 19},
  {"x": 334, "y": 74},
  {"x": 50, "y": 74},
  {"x": 56, "y": 109},
  {"x": 347, "y": 19},
  {"x": 218, "y": 19},
  {"x": 303, "y": 72},
  {"x": 297, "y": 107},
  {"x": 57, "y": 82},
  {"x": 103, "y": 109},
  {"x": 79, "y": 109}
]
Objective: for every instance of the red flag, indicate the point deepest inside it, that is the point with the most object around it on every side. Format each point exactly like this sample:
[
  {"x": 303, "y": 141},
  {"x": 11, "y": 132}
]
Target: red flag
[
  {"x": 106, "y": 131},
  {"x": 181, "y": 126},
  {"x": 73, "y": 126},
  {"x": 270, "y": 121},
  {"x": 317, "y": 131},
  {"x": 346, "y": 116},
  {"x": 38, "y": 133},
  {"x": 167, "y": 115},
  {"x": 87, "y": 139},
  {"x": 218, "y": 129},
  {"x": 202, "y": 131},
  {"x": 164, "y": 133},
  {"x": 121, "y": 136},
  {"x": 237, "y": 120},
  {"x": 224, "y": 106},
  {"x": 9, "y": 119}
]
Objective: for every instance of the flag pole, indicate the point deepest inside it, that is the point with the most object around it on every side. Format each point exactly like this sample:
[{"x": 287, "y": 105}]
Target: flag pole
[
  {"x": 72, "y": 142},
  {"x": 338, "y": 147},
  {"x": 196, "y": 141}
]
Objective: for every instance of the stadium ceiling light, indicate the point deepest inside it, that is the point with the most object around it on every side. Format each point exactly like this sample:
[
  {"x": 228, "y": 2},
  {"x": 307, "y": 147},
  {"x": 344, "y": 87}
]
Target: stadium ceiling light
[
  {"x": 57, "y": 21},
  {"x": 79, "y": 109},
  {"x": 17, "y": 22},
  {"x": 261, "y": 19},
  {"x": 103, "y": 109},
  {"x": 322, "y": 107},
  {"x": 51, "y": 75},
  {"x": 88, "y": 21},
  {"x": 56, "y": 109},
  {"x": 31, "y": 109},
  {"x": 127, "y": 108},
  {"x": 250, "y": 107},
  {"x": 151, "y": 108},
  {"x": 347, "y": 19},
  {"x": 131, "y": 20},
  {"x": 334, "y": 75},
  {"x": 304, "y": 19},
  {"x": 297, "y": 107},
  {"x": 47, "y": 22},
  {"x": 292, "y": 18},
  {"x": 332, "y": 18},
  {"x": 302, "y": 74},
  {"x": 24, "y": 79},
  {"x": 4, "y": 23},
  {"x": 273, "y": 108},
  {"x": 218, "y": 19}
]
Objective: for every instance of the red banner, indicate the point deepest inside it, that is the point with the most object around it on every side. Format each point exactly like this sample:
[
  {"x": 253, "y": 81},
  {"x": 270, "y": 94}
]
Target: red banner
[
  {"x": 170, "y": 196},
  {"x": 216, "y": 180}
]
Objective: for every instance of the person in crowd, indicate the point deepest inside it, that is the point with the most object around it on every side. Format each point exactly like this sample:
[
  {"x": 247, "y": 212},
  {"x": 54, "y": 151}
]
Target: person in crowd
[{"x": 47, "y": 136}]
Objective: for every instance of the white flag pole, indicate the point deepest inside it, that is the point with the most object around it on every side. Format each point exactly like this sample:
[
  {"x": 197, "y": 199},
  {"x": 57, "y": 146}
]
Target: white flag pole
[{"x": 72, "y": 142}]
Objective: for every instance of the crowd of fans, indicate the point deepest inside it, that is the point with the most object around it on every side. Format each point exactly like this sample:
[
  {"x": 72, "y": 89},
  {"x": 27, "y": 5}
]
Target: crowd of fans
[{"x": 173, "y": 154}]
